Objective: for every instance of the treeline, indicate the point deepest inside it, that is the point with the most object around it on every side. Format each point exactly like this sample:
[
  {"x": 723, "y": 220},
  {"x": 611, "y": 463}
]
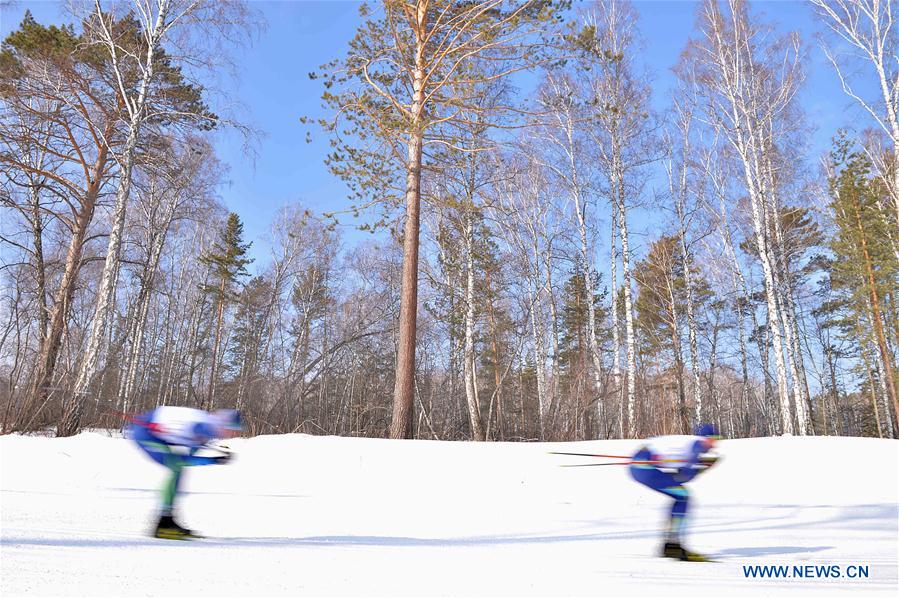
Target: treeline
[{"x": 510, "y": 295}]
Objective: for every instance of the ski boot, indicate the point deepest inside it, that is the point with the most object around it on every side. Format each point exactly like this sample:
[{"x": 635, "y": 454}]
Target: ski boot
[
  {"x": 673, "y": 550},
  {"x": 168, "y": 529}
]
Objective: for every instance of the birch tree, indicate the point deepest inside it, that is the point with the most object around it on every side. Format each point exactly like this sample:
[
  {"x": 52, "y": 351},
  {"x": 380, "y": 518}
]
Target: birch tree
[
  {"x": 623, "y": 130},
  {"x": 747, "y": 82},
  {"x": 56, "y": 102},
  {"x": 529, "y": 225},
  {"x": 680, "y": 186},
  {"x": 866, "y": 28},
  {"x": 163, "y": 193},
  {"x": 135, "y": 47},
  {"x": 567, "y": 158}
]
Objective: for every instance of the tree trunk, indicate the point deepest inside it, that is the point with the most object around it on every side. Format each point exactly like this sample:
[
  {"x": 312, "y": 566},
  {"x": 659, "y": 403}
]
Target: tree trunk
[
  {"x": 629, "y": 325},
  {"x": 783, "y": 280},
  {"x": 474, "y": 412},
  {"x": 876, "y": 319},
  {"x": 106, "y": 293},
  {"x": 404, "y": 389},
  {"x": 691, "y": 318},
  {"x": 834, "y": 391},
  {"x": 616, "y": 332},
  {"x": 539, "y": 357},
  {"x": 49, "y": 351},
  {"x": 213, "y": 374},
  {"x": 37, "y": 229},
  {"x": 553, "y": 384},
  {"x": 587, "y": 270},
  {"x": 494, "y": 340},
  {"x": 155, "y": 242},
  {"x": 763, "y": 248}
]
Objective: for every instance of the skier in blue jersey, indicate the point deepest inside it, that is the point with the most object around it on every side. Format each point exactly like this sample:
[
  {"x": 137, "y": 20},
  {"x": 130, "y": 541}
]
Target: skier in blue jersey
[
  {"x": 666, "y": 464},
  {"x": 172, "y": 436}
]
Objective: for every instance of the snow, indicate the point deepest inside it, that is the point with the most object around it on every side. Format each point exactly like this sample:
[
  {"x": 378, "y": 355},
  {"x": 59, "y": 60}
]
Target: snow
[{"x": 302, "y": 515}]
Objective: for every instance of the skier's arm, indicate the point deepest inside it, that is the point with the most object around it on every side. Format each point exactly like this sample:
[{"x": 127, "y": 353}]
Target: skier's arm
[
  {"x": 193, "y": 459},
  {"x": 701, "y": 459}
]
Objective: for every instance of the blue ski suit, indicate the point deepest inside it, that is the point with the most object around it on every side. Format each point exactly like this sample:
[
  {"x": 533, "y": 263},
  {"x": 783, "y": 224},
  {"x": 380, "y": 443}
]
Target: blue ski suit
[
  {"x": 171, "y": 436},
  {"x": 677, "y": 460}
]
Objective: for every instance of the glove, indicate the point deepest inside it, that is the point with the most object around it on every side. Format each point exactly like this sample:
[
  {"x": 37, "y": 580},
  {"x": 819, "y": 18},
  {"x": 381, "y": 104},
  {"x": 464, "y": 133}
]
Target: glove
[
  {"x": 707, "y": 461},
  {"x": 223, "y": 459}
]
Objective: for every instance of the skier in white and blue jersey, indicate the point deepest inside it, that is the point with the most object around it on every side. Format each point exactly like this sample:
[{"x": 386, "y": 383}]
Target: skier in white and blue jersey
[
  {"x": 666, "y": 464},
  {"x": 172, "y": 436}
]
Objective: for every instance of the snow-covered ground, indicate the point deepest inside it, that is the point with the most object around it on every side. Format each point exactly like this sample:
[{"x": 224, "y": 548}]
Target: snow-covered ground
[{"x": 302, "y": 515}]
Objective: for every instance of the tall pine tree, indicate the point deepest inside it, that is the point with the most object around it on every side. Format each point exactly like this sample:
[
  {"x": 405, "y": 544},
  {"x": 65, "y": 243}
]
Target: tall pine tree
[{"x": 228, "y": 263}]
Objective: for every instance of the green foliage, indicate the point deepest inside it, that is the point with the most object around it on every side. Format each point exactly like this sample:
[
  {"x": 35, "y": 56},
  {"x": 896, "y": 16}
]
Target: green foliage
[
  {"x": 863, "y": 259},
  {"x": 862, "y": 226},
  {"x": 84, "y": 63},
  {"x": 448, "y": 306},
  {"x": 58, "y": 47},
  {"x": 370, "y": 89},
  {"x": 33, "y": 40},
  {"x": 663, "y": 295},
  {"x": 227, "y": 261},
  {"x": 574, "y": 342},
  {"x": 249, "y": 328},
  {"x": 801, "y": 233}
]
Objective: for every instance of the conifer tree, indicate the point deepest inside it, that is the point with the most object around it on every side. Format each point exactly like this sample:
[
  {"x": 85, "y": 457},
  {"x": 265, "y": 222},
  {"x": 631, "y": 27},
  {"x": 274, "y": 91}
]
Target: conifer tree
[
  {"x": 227, "y": 263},
  {"x": 865, "y": 268},
  {"x": 394, "y": 95}
]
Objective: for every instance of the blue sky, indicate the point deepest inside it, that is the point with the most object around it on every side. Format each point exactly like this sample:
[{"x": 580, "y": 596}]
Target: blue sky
[{"x": 276, "y": 91}]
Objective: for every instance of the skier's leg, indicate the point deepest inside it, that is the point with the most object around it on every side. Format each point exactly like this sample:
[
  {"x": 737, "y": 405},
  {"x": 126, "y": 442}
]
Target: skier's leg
[
  {"x": 175, "y": 464},
  {"x": 663, "y": 483},
  {"x": 674, "y": 544},
  {"x": 678, "y": 517},
  {"x": 162, "y": 453}
]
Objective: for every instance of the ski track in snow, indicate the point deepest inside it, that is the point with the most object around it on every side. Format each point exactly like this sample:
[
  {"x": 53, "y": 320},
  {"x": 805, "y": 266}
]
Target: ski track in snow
[{"x": 304, "y": 515}]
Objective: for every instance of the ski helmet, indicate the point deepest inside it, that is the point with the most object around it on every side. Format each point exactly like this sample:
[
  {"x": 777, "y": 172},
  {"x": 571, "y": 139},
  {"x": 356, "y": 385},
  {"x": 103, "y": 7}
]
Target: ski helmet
[{"x": 707, "y": 430}]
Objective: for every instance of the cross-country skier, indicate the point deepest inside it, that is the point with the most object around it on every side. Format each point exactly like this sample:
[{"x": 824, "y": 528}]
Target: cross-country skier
[
  {"x": 171, "y": 436},
  {"x": 666, "y": 464}
]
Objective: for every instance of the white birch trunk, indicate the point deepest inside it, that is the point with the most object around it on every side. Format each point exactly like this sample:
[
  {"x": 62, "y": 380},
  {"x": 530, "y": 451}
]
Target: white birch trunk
[
  {"x": 106, "y": 293},
  {"x": 616, "y": 335},
  {"x": 474, "y": 412},
  {"x": 680, "y": 190},
  {"x": 784, "y": 283},
  {"x": 553, "y": 384},
  {"x": 773, "y": 311},
  {"x": 734, "y": 60},
  {"x": 539, "y": 359},
  {"x": 587, "y": 269},
  {"x": 629, "y": 324},
  {"x": 691, "y": 329}
]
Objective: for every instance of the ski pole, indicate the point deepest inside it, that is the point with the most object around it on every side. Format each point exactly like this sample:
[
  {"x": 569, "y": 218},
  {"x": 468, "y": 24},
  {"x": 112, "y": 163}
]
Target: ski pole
[
  {"x": 616, "y": 457},
  {"x": 622, "y": 463},
  {"x": 591, "y": 455}
]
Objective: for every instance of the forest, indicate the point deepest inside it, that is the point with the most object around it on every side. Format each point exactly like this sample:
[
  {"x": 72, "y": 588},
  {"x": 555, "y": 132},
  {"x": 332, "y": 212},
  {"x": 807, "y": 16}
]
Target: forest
[{"x": 499, "y": 153}]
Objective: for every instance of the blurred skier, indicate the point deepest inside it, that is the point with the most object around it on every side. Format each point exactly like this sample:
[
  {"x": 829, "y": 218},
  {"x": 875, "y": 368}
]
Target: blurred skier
[
  {"x": 172, "y": 436},
  {"x": 666, "y": 464}
]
